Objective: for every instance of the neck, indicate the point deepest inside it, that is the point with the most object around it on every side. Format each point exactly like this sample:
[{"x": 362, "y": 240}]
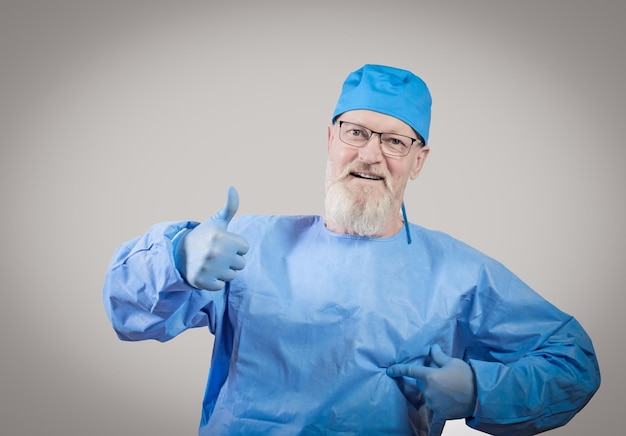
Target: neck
[{"x": 391, "y": 229}]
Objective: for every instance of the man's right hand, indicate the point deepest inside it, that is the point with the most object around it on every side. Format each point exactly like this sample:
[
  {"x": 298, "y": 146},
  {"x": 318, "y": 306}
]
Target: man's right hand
[{"x": 209, "y": 255}]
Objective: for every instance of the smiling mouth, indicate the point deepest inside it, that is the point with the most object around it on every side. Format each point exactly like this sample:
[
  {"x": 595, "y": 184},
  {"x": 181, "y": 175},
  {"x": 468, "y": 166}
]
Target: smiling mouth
[{"x": 366, "y": 176}]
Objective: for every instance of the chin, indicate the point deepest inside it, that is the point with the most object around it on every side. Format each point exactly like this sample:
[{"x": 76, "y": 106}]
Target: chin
[{"x": 359, "y": 210}]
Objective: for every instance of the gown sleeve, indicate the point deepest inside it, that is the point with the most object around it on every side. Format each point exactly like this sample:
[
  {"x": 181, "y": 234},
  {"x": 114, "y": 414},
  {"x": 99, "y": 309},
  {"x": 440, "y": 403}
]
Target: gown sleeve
[
  {"x": 145, "y": 296},
  {"x": 535, "y": 366}
]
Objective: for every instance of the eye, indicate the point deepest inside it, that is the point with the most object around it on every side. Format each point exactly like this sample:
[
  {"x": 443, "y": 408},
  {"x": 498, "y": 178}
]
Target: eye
[
  {"x": 397, "y": 142},
  {"x": 356, "y": 132}
]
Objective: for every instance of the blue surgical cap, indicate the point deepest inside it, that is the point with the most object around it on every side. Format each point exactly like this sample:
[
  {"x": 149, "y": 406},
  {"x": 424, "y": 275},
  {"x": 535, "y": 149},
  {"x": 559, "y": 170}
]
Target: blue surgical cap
[{"x": 388, "y": 90}]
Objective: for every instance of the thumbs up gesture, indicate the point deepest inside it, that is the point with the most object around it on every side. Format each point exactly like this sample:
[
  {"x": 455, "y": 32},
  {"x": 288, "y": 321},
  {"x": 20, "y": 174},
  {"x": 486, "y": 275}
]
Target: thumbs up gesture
[{"x": 209, "y": 255}]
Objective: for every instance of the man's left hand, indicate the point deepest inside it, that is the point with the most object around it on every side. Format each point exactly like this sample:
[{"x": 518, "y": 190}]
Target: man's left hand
[{"x": 448, "y": 386}]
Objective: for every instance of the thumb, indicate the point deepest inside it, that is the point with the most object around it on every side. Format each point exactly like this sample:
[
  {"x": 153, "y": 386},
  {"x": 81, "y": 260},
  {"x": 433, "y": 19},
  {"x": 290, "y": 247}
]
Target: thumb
[
  {"x": 439, "y": 357},
  {"x": 228, "y": 211}
]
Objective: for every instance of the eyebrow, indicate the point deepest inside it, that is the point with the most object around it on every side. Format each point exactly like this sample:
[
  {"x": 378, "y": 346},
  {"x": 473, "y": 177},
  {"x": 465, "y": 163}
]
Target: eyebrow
[{"x": 415, "y": 136}]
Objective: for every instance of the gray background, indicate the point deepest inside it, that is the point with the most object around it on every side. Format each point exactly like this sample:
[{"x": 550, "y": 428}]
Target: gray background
[{"x": 115, "y": 115}]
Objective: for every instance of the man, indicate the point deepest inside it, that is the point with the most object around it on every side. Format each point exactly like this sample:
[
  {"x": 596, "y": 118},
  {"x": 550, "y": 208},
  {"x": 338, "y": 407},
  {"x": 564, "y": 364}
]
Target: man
[{"x": 358, "y": 322}]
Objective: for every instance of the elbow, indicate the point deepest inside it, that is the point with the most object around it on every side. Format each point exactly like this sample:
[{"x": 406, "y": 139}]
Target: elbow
[{"x": 131, "y": 324}]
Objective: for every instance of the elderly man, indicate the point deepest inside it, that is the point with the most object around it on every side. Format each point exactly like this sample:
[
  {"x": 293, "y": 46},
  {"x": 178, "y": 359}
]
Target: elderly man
[{"x": 357, "y": 322}]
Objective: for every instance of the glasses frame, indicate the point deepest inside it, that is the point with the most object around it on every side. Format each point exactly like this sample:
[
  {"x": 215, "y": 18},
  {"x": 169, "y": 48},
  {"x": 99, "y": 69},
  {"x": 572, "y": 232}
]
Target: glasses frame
[{"x": 420, "y": 141}]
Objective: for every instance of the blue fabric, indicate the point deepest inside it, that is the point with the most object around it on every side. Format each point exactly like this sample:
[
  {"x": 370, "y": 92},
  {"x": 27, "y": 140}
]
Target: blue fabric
[
  {"x": 304, "y": 334},
  {"x": 388, "y": 90}
]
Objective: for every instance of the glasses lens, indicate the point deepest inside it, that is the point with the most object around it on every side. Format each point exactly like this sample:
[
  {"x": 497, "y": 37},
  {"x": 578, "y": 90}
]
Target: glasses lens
[
  {"x": 396, "y": 145},
  {"x": 354, "y": 134},
  {"x": 392, "y": 144}
]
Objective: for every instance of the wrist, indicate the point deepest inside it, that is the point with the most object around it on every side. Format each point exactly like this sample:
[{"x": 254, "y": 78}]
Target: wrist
[{"x": 178, "y": 251}]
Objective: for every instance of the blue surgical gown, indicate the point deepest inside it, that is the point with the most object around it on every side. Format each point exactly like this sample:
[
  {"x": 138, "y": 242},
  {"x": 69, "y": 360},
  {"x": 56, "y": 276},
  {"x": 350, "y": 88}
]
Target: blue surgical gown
[{"x": 304, "y": 334}]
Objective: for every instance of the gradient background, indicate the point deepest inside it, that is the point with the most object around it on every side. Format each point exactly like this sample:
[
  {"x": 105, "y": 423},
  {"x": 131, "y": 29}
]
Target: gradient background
[{"x": 115, "y": 115}]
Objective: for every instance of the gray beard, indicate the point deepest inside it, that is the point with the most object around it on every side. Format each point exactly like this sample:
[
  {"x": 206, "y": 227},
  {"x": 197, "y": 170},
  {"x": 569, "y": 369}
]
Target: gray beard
[{"x": 355, "y": 208}]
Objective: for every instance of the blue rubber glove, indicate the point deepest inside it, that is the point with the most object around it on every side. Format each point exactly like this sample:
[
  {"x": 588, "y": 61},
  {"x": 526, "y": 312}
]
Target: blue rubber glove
[
  {"x": 209, "y": 255},
  {"x": 449, "y": 387}
]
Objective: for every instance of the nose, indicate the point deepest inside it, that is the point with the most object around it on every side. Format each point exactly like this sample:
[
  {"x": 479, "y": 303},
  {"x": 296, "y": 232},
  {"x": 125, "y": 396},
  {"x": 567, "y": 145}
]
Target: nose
[{"x": 372, "y": 152}]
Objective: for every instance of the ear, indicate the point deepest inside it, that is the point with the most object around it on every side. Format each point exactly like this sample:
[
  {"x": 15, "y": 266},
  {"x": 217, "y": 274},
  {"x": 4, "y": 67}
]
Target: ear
[
  {"x": 330, "y": 137},
  {"x": 418, "y": 163}
]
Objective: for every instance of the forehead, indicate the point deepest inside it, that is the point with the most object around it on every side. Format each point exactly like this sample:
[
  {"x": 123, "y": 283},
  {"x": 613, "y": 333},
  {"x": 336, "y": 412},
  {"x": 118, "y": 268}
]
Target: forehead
[{"x": 377, "y": 121}]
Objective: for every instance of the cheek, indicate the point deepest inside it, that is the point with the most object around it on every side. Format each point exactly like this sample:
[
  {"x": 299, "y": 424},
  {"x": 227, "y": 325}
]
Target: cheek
[
  {"x": 399, "y": 171},
  {"x": 340, "y": 157},
  {"x": 333, "y": 167}
]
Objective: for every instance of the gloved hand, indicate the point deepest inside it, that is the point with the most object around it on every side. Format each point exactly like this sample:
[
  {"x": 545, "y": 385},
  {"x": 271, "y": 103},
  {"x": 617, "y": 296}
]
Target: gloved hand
[
  {"x": 449, "y": 387},
  {"x": 209, "y": 255}
]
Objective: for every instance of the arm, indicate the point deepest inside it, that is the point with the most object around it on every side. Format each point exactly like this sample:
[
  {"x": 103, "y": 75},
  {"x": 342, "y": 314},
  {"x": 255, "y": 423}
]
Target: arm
[
  {"x": 527, "y": 367},
  {"x": 145, "y": 296},
  {"x": 535, "y": 366},
  {"x": 148, "y": 292}
]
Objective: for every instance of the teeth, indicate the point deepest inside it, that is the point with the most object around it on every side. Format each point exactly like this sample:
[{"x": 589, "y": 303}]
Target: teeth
[{"x": 367, "y": 176}]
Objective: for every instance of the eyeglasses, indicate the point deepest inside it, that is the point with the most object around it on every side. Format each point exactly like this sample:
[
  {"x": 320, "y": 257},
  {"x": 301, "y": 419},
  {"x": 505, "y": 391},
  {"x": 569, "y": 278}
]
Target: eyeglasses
[{"x": 392, "y": 144}]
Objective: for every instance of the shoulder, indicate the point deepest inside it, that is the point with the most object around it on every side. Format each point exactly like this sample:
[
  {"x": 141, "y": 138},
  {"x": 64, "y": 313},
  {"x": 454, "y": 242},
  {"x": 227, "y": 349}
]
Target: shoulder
[
  {"x": 440, "y": 241},
  {"x": 443, "y": 247},
  {"x": 252, "y": 224}
]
